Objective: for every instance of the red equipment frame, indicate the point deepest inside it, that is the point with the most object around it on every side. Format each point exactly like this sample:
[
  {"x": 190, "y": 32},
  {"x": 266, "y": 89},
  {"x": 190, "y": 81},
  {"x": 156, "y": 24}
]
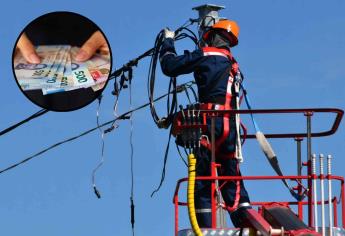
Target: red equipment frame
[{"x": 298, "y": 137}]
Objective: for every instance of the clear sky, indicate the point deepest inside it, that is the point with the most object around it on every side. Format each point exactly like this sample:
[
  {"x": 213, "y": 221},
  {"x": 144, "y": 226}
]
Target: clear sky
[{"x": 292, "y": 53}]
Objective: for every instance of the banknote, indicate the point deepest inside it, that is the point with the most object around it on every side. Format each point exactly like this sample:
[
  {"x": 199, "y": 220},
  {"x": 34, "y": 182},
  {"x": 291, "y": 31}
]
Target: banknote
[
  {"x": 47, "y": 55},
  {"x": 60, "y": 72}
]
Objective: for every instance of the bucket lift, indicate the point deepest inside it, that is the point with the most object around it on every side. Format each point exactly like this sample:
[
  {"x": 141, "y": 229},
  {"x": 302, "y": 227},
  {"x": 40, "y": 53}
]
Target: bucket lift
[{"x": 278, "y": 218}]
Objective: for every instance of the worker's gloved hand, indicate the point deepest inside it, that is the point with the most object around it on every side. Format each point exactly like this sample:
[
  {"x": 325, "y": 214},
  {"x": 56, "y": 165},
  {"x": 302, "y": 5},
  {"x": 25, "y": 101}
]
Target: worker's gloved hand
[{"x": 168, "y": 34}]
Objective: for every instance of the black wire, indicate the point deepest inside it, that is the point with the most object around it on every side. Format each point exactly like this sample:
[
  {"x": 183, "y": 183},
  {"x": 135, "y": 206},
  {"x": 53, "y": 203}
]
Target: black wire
[
  {"x": 121, "y": 117},
  {"x": 130, "y": 64},
  {"x": 194, "y": 94},
  {"x": 93, "y": 178},
  {"x": 188, "y": 97},
  {"x": 164, "y": 164},
  {"x": 131, "y": 142},
  {"x": 171, "y": 107},
  {"x": 180, "y": 154},
  {"x": 152, "y": 74},
  {"x": 113, "y": 125},
  {"x": 168, "y": 98},
  {"x": 132, "y": 153},
  {"x": 33, "y": 116},
  {"x": 192, "y": 36}
]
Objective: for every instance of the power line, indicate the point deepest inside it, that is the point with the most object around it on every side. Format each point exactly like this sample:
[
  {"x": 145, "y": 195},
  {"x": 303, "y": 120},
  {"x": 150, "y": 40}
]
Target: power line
[
  {"x": 179, "y": 88},
  {"x": 33, "y": 116}
]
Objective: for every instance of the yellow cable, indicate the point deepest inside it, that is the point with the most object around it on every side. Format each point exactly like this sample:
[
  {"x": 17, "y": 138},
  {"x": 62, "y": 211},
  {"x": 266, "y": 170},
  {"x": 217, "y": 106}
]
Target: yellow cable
[{"x": 190, "y": 195}]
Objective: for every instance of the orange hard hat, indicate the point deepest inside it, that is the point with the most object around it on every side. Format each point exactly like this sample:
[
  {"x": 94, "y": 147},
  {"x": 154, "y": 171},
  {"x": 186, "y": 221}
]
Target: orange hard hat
[{"x": 230, "y": 27}]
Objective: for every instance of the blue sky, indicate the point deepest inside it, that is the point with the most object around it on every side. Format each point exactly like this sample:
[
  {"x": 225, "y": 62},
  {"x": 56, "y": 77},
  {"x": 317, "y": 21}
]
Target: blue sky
[{"x": 292, "y": 53}]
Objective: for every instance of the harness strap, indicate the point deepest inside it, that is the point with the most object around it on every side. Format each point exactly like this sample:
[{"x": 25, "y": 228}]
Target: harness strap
[
  {"x": 236, "y": 204},
  {"x": 212, "y": 51},
  {"x": 231, "y": 73}
]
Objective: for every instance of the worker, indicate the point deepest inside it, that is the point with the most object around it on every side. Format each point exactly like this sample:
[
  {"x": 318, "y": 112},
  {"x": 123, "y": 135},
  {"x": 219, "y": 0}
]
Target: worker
[{"x": 212, "y": 65}]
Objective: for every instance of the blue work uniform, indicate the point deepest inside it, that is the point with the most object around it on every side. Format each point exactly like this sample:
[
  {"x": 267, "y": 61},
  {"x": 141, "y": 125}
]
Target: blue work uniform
[{"x": 207, "y": 70}]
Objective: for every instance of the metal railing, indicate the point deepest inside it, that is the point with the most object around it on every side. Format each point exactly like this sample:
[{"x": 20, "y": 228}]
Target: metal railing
[{"x": 309, "y": 177}]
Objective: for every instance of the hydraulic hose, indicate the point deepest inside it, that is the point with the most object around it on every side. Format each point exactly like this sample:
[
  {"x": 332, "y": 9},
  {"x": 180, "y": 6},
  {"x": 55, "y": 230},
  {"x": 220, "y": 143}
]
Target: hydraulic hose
[{"x": 190, "y": 195}]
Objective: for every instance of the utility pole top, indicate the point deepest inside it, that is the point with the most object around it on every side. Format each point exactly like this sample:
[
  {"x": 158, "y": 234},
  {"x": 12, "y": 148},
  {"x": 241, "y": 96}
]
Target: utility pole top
[
  {"x": 208, "y": 10},
  {"x": 208, "y": 15},
  {"x": 209, "y": 6}
]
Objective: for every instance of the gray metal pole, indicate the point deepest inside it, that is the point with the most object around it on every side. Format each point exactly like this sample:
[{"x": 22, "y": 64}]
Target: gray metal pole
[
  {"x": 330, "y": 205},
  {"x": 313, "y": 164},
  {"x": 322, "y": 190},
  {"x": 299, "y": 173},
  {"x": 213, "y": 139},
  {"x": 309, "y": 135},
  {"x": 299, "y": 155},
  {"x": 310, "y": 184}
]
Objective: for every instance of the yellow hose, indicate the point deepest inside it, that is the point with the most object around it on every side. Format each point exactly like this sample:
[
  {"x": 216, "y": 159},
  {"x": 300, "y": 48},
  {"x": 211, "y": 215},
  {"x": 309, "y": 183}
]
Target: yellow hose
[{"x": 190, "y": 195}]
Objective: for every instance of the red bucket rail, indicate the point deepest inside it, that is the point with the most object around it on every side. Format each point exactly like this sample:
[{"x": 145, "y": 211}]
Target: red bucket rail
[
  {"x": 336, "y": 203},
  {"x": 304, "y": 112},
  {"x": 309, "y": 176}
]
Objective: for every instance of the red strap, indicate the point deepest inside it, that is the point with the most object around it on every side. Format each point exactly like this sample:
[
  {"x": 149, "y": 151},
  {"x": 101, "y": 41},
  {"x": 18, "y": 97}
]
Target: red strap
[
  {"x": 226, "y": 131},
  {"x": 209, "y": 51},
  {"x": 238, "y": 194},
  {"x": 226, "y": 117}
]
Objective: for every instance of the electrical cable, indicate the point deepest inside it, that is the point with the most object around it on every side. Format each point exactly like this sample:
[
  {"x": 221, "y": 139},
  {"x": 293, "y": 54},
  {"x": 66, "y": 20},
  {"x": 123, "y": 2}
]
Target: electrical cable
[
  {"x": 180, "y": 154},
  {"x": 117, "y": 92},
  {"x": 96, "y": 191},
  {"x": 132, "y": 153},
  {"x": 152, "y": 75},
  {"x": 114, "y": 125},
  {"x": 164, "y": 164},
  {"x": 165, "y": 121},
  {"x": 179, "y": 88},
  {"x": 33, "y": 116},
  {"x": 196, "y": 99},
  {"x": 188, "y": 97}
]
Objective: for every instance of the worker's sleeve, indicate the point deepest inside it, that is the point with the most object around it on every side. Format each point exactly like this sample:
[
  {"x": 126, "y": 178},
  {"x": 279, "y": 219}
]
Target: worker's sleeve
[{"x": 174, "y": 65}]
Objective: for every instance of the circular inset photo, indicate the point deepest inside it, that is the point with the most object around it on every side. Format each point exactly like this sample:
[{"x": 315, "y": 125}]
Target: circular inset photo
[{"x": 62, "y": 61}]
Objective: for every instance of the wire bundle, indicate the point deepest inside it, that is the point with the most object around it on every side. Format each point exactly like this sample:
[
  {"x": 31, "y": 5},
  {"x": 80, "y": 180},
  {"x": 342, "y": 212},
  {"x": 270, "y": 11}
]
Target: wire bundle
[{"x": 165, "y": 121}]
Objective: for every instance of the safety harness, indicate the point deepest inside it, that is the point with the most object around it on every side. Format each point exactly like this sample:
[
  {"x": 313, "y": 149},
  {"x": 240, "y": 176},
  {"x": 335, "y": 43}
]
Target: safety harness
[
  {"x": 233, "y": 82},
  {"x": 232, "y": 92}
]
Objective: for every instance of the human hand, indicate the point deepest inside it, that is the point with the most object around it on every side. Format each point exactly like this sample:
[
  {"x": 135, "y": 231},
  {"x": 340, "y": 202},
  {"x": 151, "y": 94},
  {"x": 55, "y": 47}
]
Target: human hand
[
  {"x": 89, "y": 48},
  {"x": 168, "y": 33},
  {"x": 27, "y": 49}
]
